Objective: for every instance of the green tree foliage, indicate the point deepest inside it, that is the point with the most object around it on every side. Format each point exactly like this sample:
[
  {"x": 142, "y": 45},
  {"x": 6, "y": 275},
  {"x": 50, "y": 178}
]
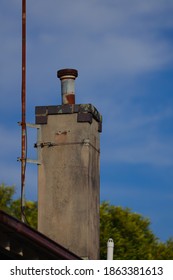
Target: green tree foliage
[
  {"x": 165, "y": 250},
  {"x": 6, "y": 197},
  {"x": 12, "y": 207},
  {"x": 133, "y": 238},
  {"x": 30, "y": 212}
]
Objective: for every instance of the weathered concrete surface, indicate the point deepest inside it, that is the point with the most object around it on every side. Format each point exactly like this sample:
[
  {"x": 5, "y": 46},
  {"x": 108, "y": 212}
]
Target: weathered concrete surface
[{"x": 69, "y": 184}]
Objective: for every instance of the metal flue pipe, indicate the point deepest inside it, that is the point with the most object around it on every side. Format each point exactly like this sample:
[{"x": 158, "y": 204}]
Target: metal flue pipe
[{"x": 67, "y": 77}]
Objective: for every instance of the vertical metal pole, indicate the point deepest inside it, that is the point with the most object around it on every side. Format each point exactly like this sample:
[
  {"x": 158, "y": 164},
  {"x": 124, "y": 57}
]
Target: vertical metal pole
[{"x": 23, "y": 99}]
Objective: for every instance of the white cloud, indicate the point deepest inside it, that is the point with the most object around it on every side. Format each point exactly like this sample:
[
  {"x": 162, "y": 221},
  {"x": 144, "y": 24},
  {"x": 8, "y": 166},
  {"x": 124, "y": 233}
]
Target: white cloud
[
  {"x": 9, "y": 141},
  {"x": 135, "y": 137},
  {"x": 152, "y": 153},
  {"x": 123, "y": 38},
  {"x": 102, "y": 39},
  {"x": 111, "y": 41}
]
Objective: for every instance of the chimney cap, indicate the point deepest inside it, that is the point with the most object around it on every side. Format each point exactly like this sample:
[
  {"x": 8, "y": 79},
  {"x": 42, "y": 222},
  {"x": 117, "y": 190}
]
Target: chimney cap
[{"x": 67, "y": 72}]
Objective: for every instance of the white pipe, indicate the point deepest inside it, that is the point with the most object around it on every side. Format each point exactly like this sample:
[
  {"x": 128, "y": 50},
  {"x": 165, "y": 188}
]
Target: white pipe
[{"x": 110, "y": 249}]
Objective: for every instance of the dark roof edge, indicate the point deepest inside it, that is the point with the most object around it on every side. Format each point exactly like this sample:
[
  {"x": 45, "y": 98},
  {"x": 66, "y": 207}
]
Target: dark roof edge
[{"x": 39, "y": 238}]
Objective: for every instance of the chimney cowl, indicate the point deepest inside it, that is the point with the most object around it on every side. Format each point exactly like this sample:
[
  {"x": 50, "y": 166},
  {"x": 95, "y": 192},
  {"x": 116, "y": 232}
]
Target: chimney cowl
[
  {"x": 67, "y": 72},
  {"x": 67, "y": 77}
]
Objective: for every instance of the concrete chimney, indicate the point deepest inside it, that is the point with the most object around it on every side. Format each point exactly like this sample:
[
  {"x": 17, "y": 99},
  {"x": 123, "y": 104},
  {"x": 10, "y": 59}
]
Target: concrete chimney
[{"x": 69, "y": 175}]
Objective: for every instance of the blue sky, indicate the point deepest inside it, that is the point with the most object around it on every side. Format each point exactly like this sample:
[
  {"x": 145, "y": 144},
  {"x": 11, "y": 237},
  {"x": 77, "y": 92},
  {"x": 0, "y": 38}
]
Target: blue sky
[{"x": 123, "y": 51}]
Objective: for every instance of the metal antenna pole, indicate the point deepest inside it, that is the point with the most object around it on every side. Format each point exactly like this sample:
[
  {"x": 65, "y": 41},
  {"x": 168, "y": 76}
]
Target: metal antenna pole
[{"x": 23, "y": 99}]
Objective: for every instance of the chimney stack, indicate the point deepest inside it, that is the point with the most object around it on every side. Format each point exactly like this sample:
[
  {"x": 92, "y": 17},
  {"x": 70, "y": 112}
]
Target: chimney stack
[{"x": 69, "y": 175}]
